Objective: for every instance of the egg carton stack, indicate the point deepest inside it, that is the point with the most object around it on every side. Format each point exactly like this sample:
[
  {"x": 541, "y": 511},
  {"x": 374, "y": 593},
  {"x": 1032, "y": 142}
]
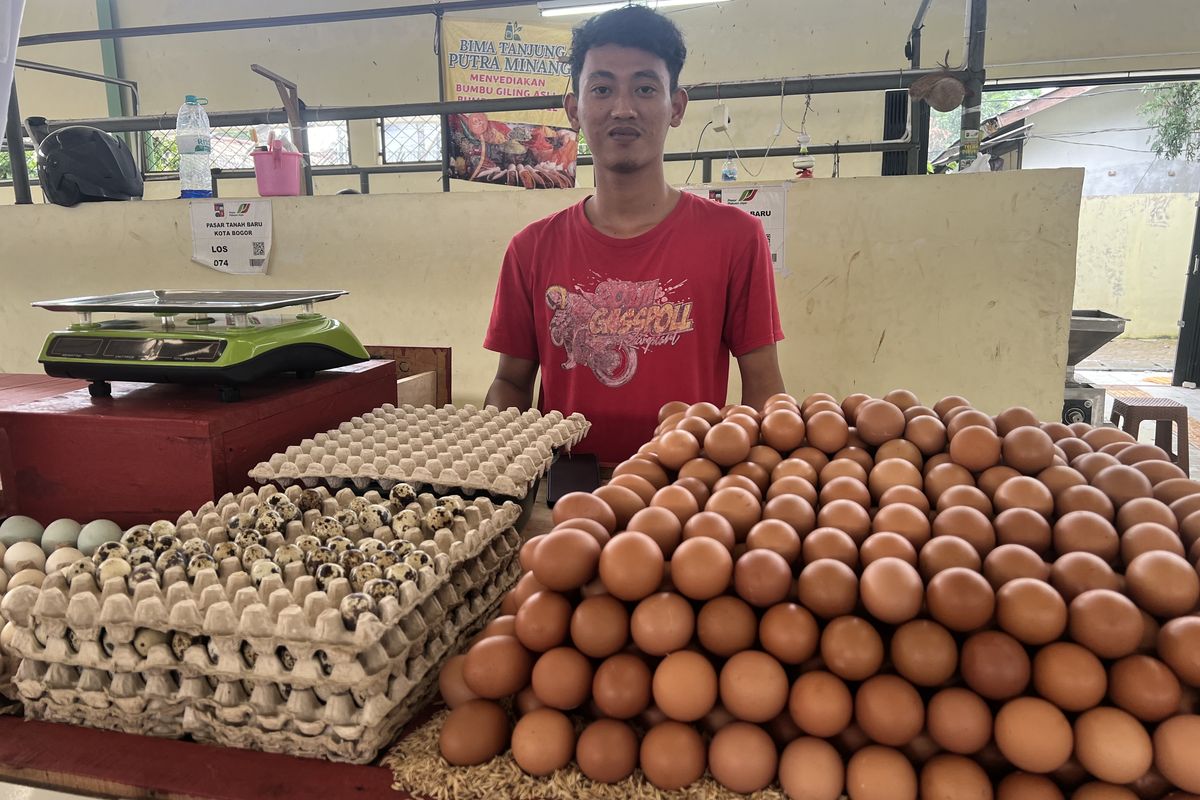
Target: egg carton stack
[
  {"x": 449, "y": 449},
  {"x": 269, "y": 620}
]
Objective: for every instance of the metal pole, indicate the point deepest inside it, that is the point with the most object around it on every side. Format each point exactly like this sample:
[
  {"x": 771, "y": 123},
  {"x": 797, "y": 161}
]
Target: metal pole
[
  {"x": 973, "y": 103},
  {"x": 302, "y": 146},
  {"x": 706, "y": 170},
  {"x": 216, "y": 176},
  {"x": 364, "y": 182},
  {"x": 918, "y": 156},
  {"x": 444, "y": 118},
  {"x": 16, "y": 150}
]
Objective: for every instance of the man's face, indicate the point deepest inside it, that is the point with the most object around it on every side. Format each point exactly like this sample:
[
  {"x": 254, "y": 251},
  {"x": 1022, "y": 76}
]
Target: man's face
[{"x": 625, "y": 107}]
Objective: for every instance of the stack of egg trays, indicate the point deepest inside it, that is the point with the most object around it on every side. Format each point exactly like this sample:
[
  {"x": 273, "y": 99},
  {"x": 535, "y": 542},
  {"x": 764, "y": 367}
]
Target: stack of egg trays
[
  {"x": 81, "y": 663},
  {"x": 467, "y": 450}
]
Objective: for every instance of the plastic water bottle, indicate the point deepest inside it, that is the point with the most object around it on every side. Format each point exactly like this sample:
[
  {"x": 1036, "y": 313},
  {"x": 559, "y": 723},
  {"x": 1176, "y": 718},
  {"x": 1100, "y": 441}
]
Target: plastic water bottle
[
  {"x": 192, "y": 137},
  {"x": 729, "y": 170}
]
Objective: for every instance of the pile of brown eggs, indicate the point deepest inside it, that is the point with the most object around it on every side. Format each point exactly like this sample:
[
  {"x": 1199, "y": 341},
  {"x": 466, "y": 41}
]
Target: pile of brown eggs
[{"x": 871, "y": 597}]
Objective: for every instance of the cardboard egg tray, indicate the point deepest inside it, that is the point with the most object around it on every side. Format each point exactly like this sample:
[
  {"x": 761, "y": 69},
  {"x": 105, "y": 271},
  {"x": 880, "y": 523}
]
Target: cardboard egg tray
[
  {"x": 467, "y": 450},
  {"x": 107, "y": 656}
]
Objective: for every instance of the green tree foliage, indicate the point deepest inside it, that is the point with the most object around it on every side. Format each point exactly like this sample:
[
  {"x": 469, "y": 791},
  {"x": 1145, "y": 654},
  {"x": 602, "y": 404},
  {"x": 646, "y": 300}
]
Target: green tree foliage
[
  {"x": 944, "y": 128},
  {"x": 6, "y": 172},
  {"x": 1173, "y": 111}
]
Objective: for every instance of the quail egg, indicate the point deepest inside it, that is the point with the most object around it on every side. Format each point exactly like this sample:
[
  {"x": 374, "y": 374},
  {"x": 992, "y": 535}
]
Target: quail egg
[
  {"x": 286, "y": 659},
  {"x": 373, "y": 517},
  {"x": 162, "y": 528},
  {"x": 165, "y": 543},
  {"x": 406, "y": 519},
  {"x": 327, "y": 527},
  {"x": 403, "y": 547},
  {"x": 106, "y": 643},
  {"x": 141, "y": 555},
  {"x": 210, "y": 647},
  {"x": 138, "y": 536},
  {"x": 170, "y": 558},
  {"x": 73, "y": 640},
  {"x": 224, "y": 550},
  {"x": 325, "y": 574},
  {"x": 240, "y": 522},
  {"x": 277, "y": 499},
  {"x": 402, "y": 494},
  {"x": 253, "y": 554},
  {"x": 248, "y": 654},
  {"x": 307, "y": 543},
  {"x": 256, "y": 511},
  {"x": 359, "y": 505},
  {"x": 113, "y": 568},
  {"x": 289, "y": 511},
  {"x": 270, "y": 521},
  {"x": 144, "y": 572},
  {"x": 310, "y": 500},
  {"x": 352, "y": 558},
  {"x": 287, "y": 553},
  {"x": 323, "y": 660},
  {"x": 194, "y": 547},
  {"x": 379, "y": 588},
  {"x": 347, "y": 516},
  {"x": 83, "y": 566},
  {"x": 455, "y": 504},
  {"x": 108, "y": 550},
  {"x": 322, "y": 555},
  {"x": 363, "y": 573},
  {"x": 385, "y": 558},
  {"x": 353, "y": 605},
  {"x": 370, "y": 546},
  {"x": 399, "y": 573},
  {"x": 145, "y": 638},
  {"x": 245, "y": 538},
  {"x": 198, "y": 562},
  {"x": 180, "y": 642},
  {"x": 339, "y": 544},
  {"x": 438, "y": 517},
  {"x": 259, "y": 570},
  {"x": 285, "y": 690},
  {"x": 417, "y": 559}
]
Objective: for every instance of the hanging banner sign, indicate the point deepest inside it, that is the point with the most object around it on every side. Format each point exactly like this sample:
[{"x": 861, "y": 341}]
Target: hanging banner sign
[
  {"x": 494, "y": 60},
  {"x": 231, "y": 236},
  {"x": 768, "y": 203}
]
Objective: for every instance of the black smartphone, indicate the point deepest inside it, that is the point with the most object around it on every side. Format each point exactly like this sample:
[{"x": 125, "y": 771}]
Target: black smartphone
[{"x": 577, "y": 472}]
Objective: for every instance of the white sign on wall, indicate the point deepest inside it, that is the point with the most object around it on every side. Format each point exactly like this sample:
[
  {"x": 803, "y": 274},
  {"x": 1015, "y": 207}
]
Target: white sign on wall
[
  {"x": 231, "y": 236},
  {"x": 768, "y": 203}
]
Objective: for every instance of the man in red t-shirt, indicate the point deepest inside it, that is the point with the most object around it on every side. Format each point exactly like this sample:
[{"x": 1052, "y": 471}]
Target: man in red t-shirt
[{"x": 638, "y": 295}]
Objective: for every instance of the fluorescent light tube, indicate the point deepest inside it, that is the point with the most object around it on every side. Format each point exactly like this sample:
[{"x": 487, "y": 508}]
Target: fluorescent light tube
[{"x": 564, "y": 8}]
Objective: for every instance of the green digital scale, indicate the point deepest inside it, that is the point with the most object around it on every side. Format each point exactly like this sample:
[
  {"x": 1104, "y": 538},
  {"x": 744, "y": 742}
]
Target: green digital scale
[{"x": 223, "y": 338}]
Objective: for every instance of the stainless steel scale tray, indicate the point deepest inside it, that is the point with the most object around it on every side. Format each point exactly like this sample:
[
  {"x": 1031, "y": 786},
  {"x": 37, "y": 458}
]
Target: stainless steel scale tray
[{"x": 169, "y": 301}]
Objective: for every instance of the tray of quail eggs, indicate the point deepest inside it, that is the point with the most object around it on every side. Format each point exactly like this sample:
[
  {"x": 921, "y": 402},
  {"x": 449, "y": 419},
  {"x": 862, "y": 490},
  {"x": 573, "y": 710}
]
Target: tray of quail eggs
[
  {"x": 464, "y": 450},
  {"x": 331, "y": 721}
]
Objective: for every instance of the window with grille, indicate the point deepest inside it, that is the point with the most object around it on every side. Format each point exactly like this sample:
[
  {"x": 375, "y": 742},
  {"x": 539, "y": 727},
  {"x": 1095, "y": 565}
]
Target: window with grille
[
  {"x": 409, "y": 140},
  {"x": 328, "y": 145},
  {"x": 6, "y": 172}
]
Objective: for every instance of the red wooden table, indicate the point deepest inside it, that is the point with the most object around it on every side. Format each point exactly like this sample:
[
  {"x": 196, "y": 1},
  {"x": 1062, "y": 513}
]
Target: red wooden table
[
  {"x": 109, "y": 764},
  {"x": 155, "y": 450}
]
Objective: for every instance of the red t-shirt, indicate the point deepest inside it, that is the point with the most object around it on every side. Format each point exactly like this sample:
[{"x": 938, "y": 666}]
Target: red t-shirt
[{"x": 621, "y": 326}]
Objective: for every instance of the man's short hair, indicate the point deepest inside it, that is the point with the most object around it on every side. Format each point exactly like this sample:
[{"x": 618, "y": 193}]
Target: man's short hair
[{"x": 631, "y": 26}]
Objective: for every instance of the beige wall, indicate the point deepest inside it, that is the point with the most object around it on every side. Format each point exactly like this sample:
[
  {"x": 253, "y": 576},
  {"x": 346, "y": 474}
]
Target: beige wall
[
  {"x": 1133, "y": 253},
  {"x": 959, "y": 285}
]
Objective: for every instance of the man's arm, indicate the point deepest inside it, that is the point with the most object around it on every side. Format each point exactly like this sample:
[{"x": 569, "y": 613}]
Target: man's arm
[
  {"x": 760, "y": 375},
  {"x": 513, "y": 384}
]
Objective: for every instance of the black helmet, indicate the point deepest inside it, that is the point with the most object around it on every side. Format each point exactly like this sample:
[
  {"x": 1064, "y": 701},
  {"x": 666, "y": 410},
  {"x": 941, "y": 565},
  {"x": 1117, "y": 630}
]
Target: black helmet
[{"x": 81, "y": 164}]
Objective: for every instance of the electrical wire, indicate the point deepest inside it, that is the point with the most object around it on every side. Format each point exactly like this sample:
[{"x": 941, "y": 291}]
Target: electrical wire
[
  {"x": 762, "y": 163},
  {"x": 696, "y": 150}
]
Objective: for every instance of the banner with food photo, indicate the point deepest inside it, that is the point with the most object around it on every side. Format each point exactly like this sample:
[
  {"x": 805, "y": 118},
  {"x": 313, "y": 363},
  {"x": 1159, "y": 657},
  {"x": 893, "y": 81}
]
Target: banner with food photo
[{"x": 490, "y": 60}]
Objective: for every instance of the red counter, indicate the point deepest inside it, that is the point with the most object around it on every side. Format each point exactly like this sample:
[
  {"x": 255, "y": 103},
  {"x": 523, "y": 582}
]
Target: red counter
[{"x": 153, "y": 451}]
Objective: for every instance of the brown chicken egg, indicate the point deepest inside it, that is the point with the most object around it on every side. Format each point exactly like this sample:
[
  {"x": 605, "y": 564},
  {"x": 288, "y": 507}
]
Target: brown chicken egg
[
  {"x": 1086, "y": 532},
  {"x": 906, "y": 495},
  {"x": 959, "y": 721},
  {"x": 566, "y": 559},
  {"x": 776, "y": 535},
  {"x": 1100, "y": 436},
  {"x": 1105, "y": 622},
  {"x": 957, "y": 420},
  {"x": 651, "y": 472},
  {"x": 452, "y": 686},
  {"x": 1112, "y": 745},
  {"x": 968, "y": 496},
  {"x": 783, "y": 430},
  {"x": 880, "y": 773},
  {"x": 889, "y": 710},
  {"x": 1159, "y": 471},
  {"x": 789, "y": 632},
  {"x": 1031, "y": 611},
  {"x": 662, "y": 623},
  {"x": 766, "y": 457},
  {"x": 820, "y": 704},
  {"x": 1145, "y": 687},
  {"x": 742, "y": 757},
  {"x": 1024, "y": 492},
  {"x": 562, "y": 678},
  {"x": 1075, "y": 573},
  {"x": 543, "y": 741},
  {"x": 1122, "y": 484},
  {"x": 1010, "y": 561},
  {"x": 828, "y": 588},
  {"x": 1090, "y": 464},
  {"x": 887, "y": 545},
  {"x": 678, "y": 500},
  {"x": 845, "y": 515},
  {"x": 990, "y": 479},
  {"x": 975, "y": 448},
  {"x": 702, "y": 469},
  {"x": 747, "y": 423},
  {"x": 497, "y": 667},
  {"x": 697, "y": 427},
  {"x": 961, "y": 599},
  {"x": 624, "y": 502},
  {"x": 631, "y": 566},
  {"x": 859, "y": 456},
  {"x": 711, "y": 525},
  {"x": 891, "y": 591},
  {"x": 738, "y": 506},
  {"x": 1163, "y": 584},
  {"x": 827, "y": 432},
  {"x": 475, "y": 732},
  {"x": 586, "y": 505},
  {"x": 727, "y": 444},
  {"x": 995, "y": 665},
  {"x": 685, "y": 686},
  {"x": 1058, "y": 479},
  {"x": 851, "y": 648},
  {"x": 1146, "y": 537},
  {"x": 659, "y": 524},
  {"x": 901, "y": 449},
  {"x": 1179, "y": 647},
  {"x": 845, "y": 489},
  {"x": 672, "y": 755},
  {"x": 879, "y": 421},
  {"x": 621, "y": 686},
  {"x": 892, "y": 472},
  {"x": 1027, "y": 449},
  {"x": 952, "y": 776},
  {"x": 1033, "y": 734},
  {"x": 599, "y": 626},
  {"x": 968, "y": 524},
  {"x": 1015, "y": 417},
  {"x": 701, "y": 568},
  {"x": 1145, "y": 509},
  {"x": 699, "y": 490},
  {"x": 753, "y": 686},
  {"x": 1025, "y": 527},
  {"x": 671, "y": 408},
  {"x": 845, "y": 467},
  {"x": 927, "y": 433},
  {"x": 793, "y": 485},
  {"x": 607, "y": 751},
  {"x": 1070, "y": 676},
  {"x": 1175, "y": 751},
  {"x": 829, "y": 543},
  {"x": 676, "y": 448},
  {"x": 1025, "y": 786},
  {"x": 811, "y": 769},
  {"x": 946, "y": 552},
  {"x": 924, "y": 652},
  {"x": 726, "y": 625}
]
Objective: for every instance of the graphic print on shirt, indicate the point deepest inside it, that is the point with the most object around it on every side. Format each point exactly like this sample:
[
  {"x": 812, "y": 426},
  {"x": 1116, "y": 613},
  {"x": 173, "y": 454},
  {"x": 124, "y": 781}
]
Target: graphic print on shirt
[{"x": 604, "y": 328}]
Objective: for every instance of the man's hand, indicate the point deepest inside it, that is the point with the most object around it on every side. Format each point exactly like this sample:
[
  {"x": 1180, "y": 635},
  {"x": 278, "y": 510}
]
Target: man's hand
[
  {"x": 760, "y": 375},
  {"x": 513, "y": 384}
]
